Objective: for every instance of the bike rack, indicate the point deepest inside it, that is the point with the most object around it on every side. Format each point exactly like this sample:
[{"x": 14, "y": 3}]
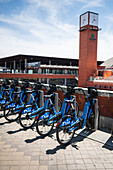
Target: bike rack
[
  {"x": 74, "y": 103},
  {"x": 96, "y": 115},
  {"x": 41, "y": 98},
  {"x": 56, "y": 101},
  {"x": 112, "y": 130}
]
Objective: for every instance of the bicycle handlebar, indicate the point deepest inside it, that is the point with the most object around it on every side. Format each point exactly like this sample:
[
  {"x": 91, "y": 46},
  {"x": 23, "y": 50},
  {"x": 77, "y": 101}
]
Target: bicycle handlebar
[
  {"x": 80, "y": 89},
  {"x": 44, "y": 86},
  {"x": 60, "y": 88}
]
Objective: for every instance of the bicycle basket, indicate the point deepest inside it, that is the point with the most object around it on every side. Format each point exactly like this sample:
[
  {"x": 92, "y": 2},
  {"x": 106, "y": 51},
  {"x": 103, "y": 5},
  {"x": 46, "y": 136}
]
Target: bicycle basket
[{"x": 93, "y": 92}]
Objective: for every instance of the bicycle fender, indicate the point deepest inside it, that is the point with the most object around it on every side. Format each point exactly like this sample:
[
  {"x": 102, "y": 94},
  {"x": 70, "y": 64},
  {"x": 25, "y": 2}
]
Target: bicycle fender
[
  {"x": 40, "y": 114},
  {"x": 23, "y": 108},
  {"x": 8, "y": 104},
  {"x": 62, "y": 119}
]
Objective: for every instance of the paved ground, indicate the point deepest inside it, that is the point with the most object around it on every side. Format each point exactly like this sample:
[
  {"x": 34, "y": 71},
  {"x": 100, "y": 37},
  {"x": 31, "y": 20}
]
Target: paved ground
[{"x": 25, "y": 150}]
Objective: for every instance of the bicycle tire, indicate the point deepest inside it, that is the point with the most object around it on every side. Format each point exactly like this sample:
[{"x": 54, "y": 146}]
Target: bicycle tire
[
  {"x": 64, "y": 129},
  {"x": 90, "y": 123},
  {"x": 25, "y": 121},
  {"x": 43, "y": 123},
  {"x": 10, "y": 114}
]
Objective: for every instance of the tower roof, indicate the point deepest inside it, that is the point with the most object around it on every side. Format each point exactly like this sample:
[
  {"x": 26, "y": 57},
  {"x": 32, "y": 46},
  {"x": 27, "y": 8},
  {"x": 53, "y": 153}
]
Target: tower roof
[{"x": 108, "y": 63}]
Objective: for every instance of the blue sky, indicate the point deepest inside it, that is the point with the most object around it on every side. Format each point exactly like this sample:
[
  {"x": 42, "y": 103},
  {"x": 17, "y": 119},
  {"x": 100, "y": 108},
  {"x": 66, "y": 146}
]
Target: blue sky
[{"x": 50, "y": 27}]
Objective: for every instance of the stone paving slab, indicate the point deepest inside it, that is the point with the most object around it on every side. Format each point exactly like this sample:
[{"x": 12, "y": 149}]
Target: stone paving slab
[
  {"x": 25, "y": 150},
  {"x": 99, "y": 136}
]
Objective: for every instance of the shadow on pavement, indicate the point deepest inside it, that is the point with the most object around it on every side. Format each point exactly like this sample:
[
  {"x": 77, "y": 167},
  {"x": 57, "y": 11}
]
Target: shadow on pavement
[
  {"x": 80, "y": 137},
  {"x": 109, "y": 144},
  {"x": 19, "y": 130},
  {"x": 85, "y": 133},
  {"x": 8, "y": 122},
  {"x": 1, "y": 116},
  {"x": 34, "y": 139},
  {"x": 53, "y": 151},
  {"x": 4, "y": 123},
  {"x": 39, "y": 137},
  {"x": 15, "y": 131}
]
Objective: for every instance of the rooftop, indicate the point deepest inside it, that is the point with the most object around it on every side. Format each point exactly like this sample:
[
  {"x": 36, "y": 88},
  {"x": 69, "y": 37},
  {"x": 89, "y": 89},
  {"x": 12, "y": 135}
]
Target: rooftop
[{"x": 108, "y": 63}]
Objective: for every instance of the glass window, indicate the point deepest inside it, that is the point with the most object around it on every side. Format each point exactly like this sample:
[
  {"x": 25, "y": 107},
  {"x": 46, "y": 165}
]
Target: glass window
[{"x": 30, "y": 71}]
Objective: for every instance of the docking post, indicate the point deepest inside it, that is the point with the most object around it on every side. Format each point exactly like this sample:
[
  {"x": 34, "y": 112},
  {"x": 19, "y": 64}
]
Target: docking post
[
  {"x": 112, "y": 130},
  {"x": 75, "y": 107},
  {"x": 56, "y": 102},
  {"x": 96, "y": 121},
  {"x": 41, "y": 102}
]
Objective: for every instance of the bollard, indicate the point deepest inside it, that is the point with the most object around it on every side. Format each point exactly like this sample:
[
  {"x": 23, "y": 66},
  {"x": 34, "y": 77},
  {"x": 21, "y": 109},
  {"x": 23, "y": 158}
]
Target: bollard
[
  {"x": 112, "y": 130},
  {"x": 41, "y": 101},
  {"x": 96, "y": 115},
  {"x": 29, "y": 97},
  {"x": 56, "y": 101}
]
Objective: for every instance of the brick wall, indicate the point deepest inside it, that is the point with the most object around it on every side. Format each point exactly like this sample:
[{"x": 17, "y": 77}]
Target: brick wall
[{"x": 105, "y": 101}]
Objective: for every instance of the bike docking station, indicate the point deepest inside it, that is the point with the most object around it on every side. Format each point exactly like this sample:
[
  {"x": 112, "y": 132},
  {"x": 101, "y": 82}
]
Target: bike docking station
[
  {"x": 56, "y": 101},
  {"x": 112, "y": 130},
  {"x": 41, "y": 98},
  {"x": 96, "y": 118},
  {"x": 74, "y": 104}
]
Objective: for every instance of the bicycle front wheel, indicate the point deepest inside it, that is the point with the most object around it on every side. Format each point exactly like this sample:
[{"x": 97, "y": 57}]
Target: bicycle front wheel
[
  {"x": 64, "y": 136},
  {"x": 42, "y": 126},
  {"x": 26, "y": 120},
  {"x": 11, "y": 114}
]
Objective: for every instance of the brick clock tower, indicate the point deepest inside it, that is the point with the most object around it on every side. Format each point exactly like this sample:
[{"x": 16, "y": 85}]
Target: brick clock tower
[{"x": 88, "y": 46}]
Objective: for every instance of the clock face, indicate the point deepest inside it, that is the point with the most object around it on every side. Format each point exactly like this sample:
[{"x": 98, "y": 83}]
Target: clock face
[
  {"x": 93, "y": 19},
  {"x": 84, "y": 20}
]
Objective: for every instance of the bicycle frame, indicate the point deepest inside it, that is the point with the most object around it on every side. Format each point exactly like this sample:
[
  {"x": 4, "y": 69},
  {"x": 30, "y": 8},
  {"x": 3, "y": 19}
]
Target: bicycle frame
[
  {"x": 29, "y": 109},
  {"x": 86, "y": 114},
  {"x": 5, "y": 101},
  {"x": 2, "y": 93},
  {"x": 34, "y": 113},
  {"x": 53, "y": 118}
]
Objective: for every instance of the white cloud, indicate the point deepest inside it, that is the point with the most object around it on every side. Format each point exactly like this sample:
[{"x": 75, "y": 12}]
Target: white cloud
[
  {"x": 41, "y": 38},
  {"x": 5, "y": 1},
  {"x": 28, "y": 34},
  {"x": 51, "y": 38},
  {"x": 91, "y": 3},
  {"x": 105, "y": 50}
]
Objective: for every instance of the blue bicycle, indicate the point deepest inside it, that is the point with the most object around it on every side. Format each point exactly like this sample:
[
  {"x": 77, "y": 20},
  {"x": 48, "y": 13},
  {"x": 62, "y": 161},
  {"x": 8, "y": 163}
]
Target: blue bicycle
[
  {"x": 28, "y": 114},
  {"x": 68, "y": 124},
  {"x": 45, "y": 120},
  {"x": 16, "y": 103},
  {"x": 4, "y": 85},
  {"x": 7, "y": 94}
]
